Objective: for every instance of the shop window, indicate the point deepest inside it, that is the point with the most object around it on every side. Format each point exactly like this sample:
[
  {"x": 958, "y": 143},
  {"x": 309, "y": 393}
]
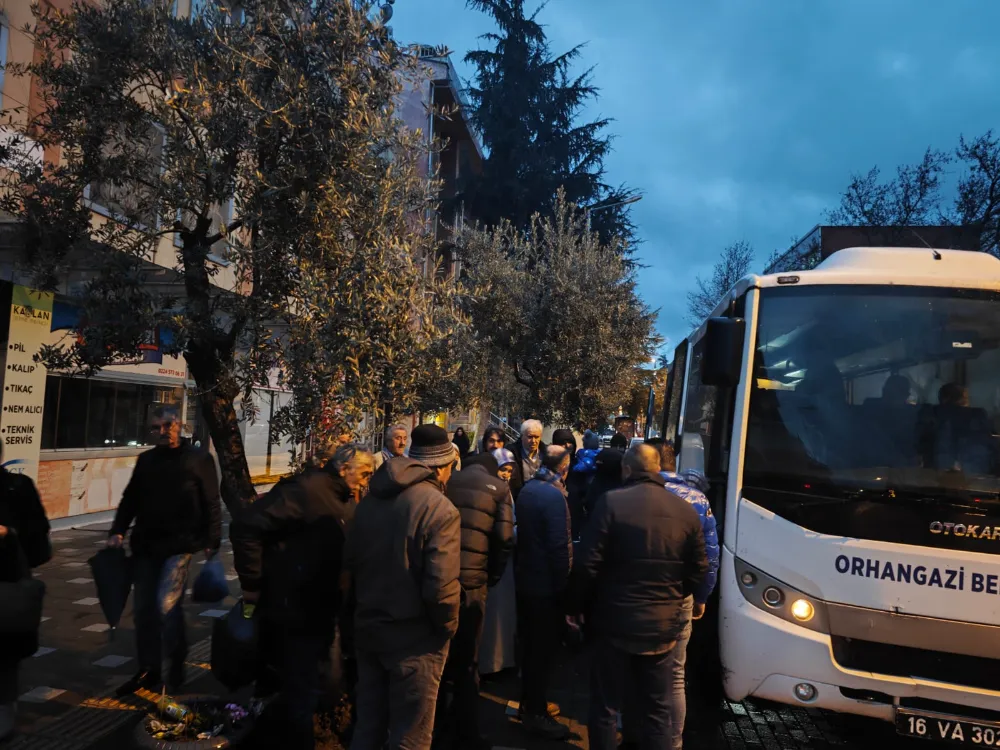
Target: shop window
[{"x": 101, "y": 414}]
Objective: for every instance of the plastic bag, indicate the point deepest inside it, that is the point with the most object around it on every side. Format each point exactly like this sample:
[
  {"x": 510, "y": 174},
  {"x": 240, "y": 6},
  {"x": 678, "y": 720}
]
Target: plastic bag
[
  {"x": 210, "y": 585},
  {"x": 234, "y": 649}
]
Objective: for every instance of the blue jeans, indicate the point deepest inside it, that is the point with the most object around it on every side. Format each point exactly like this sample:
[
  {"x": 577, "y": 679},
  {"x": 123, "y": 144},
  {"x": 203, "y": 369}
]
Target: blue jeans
[
  {"x": 159, "y": 611},
  {"x": 676, "y": 662}
]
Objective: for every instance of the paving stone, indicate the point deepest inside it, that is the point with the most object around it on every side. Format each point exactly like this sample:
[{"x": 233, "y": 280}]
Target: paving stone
[
  {"x": 41, "y": 694},
  {"x": 112, "y": 661}
]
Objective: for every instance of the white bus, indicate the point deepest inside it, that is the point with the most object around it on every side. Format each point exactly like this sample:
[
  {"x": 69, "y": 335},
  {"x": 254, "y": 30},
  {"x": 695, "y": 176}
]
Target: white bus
[{"x": 848, "y": 418}]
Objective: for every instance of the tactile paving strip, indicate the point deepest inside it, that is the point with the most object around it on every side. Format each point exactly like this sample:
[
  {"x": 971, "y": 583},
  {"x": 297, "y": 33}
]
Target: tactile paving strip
[{"x": 96, "y": 718}]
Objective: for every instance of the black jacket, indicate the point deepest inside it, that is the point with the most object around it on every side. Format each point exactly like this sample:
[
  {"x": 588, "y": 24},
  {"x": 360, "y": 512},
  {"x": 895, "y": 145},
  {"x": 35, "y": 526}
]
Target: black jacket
[
  {"x": 404, "y": 555},
  {"x": 517, "y": 479},
  {"x": 22, "y": 512},
  {"x": 487, "y": 522},
  {"x": 173, "y": 497},
  {"x": 289, "y": 546},
  {"x": 642, "y": 553}
]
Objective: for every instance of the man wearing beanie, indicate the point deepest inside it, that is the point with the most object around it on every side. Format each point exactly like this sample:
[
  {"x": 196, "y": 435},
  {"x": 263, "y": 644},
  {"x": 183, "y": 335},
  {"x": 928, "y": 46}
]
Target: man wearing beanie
[{"x": 404, "y": 559}]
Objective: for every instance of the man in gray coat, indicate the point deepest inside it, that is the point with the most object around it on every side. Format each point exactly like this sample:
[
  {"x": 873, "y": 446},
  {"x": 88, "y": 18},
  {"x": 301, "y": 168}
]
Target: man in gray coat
[{"x": 403, "y": 556}]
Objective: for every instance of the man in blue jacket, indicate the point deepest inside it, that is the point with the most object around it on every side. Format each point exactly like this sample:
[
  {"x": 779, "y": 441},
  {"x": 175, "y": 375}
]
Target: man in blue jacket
[{"x": 542, "y": 565}]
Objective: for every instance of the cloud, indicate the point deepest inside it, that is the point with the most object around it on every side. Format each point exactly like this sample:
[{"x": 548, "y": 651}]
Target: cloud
[{"x": 745, "y": 120}]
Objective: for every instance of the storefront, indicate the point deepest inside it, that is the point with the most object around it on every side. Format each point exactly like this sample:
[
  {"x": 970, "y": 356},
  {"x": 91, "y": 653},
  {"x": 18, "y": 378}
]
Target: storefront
[{"x": 79, "y": 438}]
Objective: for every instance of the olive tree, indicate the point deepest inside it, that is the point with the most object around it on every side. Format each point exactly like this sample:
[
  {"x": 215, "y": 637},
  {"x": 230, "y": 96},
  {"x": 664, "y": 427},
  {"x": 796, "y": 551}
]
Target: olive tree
[
  {"x": 263, "y": 201},
  {"x": 560, "y": 312}
]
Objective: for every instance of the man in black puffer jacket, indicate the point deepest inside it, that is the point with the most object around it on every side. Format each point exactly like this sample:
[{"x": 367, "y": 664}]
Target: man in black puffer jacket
[{"x": 487, "y": 541}]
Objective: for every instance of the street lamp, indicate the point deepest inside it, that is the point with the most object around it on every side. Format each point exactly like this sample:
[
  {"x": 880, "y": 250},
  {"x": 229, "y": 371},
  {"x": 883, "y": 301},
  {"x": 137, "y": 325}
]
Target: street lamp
[{"x": 626, "y": 202}]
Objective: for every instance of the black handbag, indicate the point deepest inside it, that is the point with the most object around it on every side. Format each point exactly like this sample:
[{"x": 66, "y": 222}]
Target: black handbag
[{"x": 22, "y": 598}]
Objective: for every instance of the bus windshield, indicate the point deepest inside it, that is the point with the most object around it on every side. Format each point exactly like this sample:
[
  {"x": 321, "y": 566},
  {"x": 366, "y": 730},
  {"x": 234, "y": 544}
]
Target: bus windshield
[{"x": 865, "y": 391}]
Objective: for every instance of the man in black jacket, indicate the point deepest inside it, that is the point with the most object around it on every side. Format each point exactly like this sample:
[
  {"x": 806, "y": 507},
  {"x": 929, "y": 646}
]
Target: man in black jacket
[
  {"x": 288, "y": 549},
  {"x": 173, "y": 497},
  {"x": 528, "y": 451},
  {"x": 642, "y": 553},
  {"x": 487, "y": 540}
]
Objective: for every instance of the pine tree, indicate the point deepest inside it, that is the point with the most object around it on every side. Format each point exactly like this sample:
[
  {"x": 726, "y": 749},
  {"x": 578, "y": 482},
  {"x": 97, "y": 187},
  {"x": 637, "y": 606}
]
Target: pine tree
[{"x": 526, "y": 105}]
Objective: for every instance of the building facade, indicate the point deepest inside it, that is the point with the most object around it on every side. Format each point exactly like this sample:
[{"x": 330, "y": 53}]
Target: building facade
[{"x": 79, "y": 438}]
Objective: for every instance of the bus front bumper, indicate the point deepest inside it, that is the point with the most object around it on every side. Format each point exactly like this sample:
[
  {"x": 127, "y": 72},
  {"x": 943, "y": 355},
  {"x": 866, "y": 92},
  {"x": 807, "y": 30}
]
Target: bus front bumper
[{"x": 767, "y": 657}]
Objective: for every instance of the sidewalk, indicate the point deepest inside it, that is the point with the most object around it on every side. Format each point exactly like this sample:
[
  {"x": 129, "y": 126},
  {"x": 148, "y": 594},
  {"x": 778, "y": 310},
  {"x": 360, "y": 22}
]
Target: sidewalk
[{"x": 67, "y": 689}]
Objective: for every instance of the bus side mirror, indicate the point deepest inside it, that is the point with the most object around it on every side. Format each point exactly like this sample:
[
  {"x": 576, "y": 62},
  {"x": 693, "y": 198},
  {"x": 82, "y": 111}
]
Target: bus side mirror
[{"x": 723, "y": 358}]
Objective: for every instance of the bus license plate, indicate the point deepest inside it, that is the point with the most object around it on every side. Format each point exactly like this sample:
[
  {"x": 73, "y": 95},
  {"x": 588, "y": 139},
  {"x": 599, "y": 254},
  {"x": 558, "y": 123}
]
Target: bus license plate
[{"x": 944, "y": 728}]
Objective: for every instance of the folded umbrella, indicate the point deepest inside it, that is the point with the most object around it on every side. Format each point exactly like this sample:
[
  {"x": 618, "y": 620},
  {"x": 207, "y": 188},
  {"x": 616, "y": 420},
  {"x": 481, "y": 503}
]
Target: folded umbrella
[{"x": 112, "y": 570}]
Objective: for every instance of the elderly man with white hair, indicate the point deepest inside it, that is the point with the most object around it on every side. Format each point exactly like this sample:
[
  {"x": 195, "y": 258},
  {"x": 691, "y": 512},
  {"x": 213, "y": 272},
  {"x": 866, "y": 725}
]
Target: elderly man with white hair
[
  {"x": 393, "y": 444},
  {"x": 528, "y": 451}
]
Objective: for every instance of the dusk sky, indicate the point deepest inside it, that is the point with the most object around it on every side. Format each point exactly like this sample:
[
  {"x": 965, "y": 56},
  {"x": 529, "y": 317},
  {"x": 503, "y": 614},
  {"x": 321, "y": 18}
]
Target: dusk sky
[{"x": 743, "y": 120}]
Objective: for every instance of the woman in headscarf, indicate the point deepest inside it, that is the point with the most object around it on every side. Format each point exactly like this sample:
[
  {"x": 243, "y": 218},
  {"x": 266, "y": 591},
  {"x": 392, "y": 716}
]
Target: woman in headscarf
[
  {"x": 461, "y": 441},
  {"x": 496, "y": 652}
]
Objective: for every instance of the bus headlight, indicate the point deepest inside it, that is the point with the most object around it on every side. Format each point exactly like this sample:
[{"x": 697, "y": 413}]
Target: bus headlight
[
  {"x": 779, "y": 599},
  {"x": 802, "y": 610}
]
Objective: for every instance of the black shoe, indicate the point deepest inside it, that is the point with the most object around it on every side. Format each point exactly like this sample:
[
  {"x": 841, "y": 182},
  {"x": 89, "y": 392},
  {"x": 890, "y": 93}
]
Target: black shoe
[
  {"x": 142, "y": 681},
  {"x": 552, "y": 709},
  {"x": 545, "y": 727}
]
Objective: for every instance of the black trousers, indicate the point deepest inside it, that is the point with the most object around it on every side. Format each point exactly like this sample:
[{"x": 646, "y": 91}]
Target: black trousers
[
  {"x": 457, "y": 720},
  {"x": 296, "y": 659},
  {"x": 540, "y": 623}
]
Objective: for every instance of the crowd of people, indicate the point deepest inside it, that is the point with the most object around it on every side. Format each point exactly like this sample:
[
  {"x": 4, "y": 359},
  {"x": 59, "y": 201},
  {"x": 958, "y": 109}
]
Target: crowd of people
[{"x": 398, "y": 578}]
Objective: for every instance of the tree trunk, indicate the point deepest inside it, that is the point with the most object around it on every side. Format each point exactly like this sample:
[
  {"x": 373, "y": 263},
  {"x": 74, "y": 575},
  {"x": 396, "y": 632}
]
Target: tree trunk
[{"x": 217, "y": 397}]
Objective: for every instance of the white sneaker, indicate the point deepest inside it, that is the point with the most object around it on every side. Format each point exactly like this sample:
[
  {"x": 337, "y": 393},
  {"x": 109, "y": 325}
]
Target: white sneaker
[{"x": 7, "y": 716}]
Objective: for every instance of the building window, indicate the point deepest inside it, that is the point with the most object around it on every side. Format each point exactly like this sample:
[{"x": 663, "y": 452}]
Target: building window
[
  {"x": 127, "y": 200},
  {"x": 222, "y": 216},
  {"x": 102, "y": 414}
]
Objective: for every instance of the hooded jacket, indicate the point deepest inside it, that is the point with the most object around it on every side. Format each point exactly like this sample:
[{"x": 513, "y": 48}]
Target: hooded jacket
[
  {"x": 691, "y": 487},
  {"x": 642, "y": 554},
  {"x": 487, "y": 521},
  {"x": 289, "y": 546},
  {"x": 404, "y": 556}
]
